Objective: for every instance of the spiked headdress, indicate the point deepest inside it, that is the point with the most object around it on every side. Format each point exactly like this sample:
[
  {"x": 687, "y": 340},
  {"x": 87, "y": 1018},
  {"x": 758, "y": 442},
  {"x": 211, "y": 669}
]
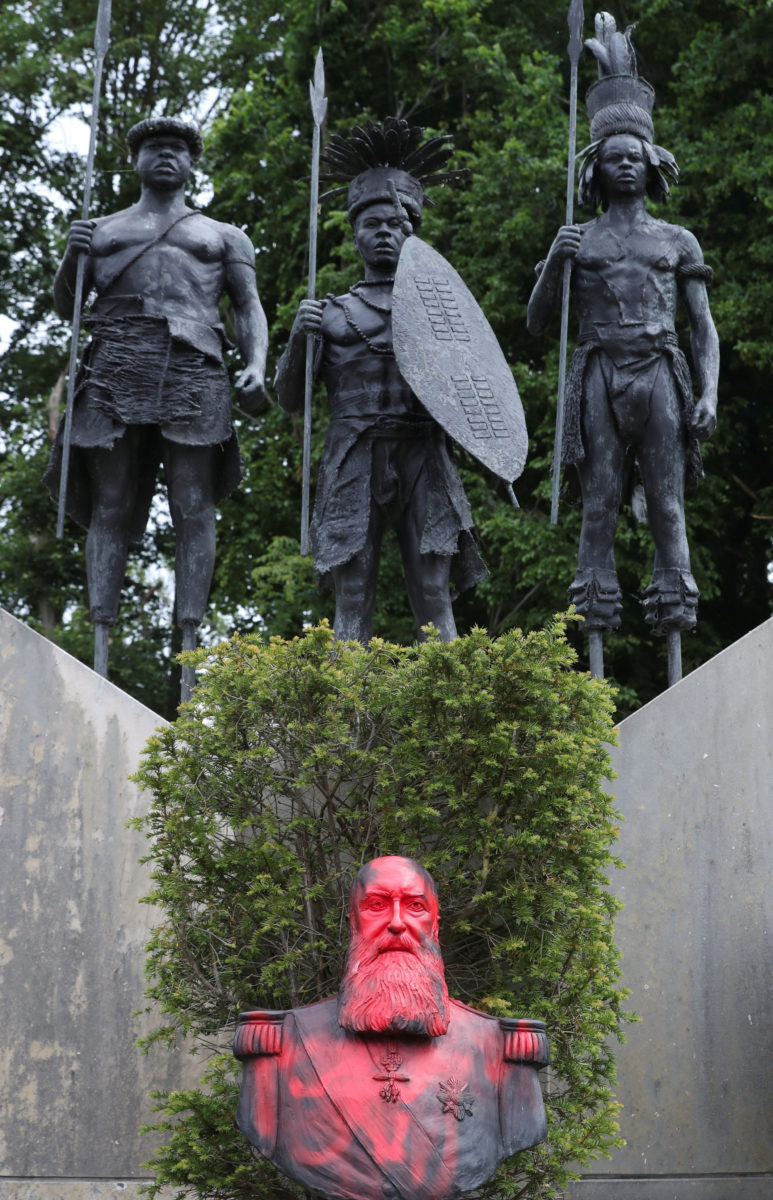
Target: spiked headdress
[
  {"x": 620, "y": 101},
  {"x": 373, "y": 162}
]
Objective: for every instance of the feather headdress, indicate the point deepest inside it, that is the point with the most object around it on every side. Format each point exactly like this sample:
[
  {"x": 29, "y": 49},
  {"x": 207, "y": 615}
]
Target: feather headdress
[
  {"x": 620, "y": 102},
  {"x": 384, "y": 153}
]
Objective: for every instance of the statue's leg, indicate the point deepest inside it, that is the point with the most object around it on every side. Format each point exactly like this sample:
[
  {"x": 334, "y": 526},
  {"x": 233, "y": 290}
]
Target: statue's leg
[
  {"x": 112, "y": 479},
  {"x": 427, "y": 576},
  {"x": 671, "y": 599},
  {"x": 661, "y": 455},
  {"x": 355, "y": 587},
  {"x": 428, "y": 584},
  {"x": 600, "y": 473},
  {"x": 190, "y": 487},
  {"x": 595, "y": 592}
]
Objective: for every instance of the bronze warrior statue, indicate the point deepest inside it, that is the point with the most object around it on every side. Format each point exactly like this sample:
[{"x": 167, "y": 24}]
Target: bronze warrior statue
[
  {"x": 153, "y": 387},
  {"x": 628, "y": 386},
  {"x": 386, "y": 462}
]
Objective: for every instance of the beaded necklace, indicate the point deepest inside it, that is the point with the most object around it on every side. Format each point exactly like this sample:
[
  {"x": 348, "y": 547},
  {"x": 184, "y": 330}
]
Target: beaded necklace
[
  {"x": 386, "y": 351},
  {"x": 365, "y": 283}
]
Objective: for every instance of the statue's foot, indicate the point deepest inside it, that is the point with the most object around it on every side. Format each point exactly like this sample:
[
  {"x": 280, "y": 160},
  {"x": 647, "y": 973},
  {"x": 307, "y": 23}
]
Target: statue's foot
[
  {"x": 596, "y": 595},
  {"x": 671, "y": 601}
]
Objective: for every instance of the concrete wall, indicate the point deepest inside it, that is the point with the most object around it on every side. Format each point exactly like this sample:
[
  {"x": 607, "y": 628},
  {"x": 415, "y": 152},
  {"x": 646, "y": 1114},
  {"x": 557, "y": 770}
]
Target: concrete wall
[
  {"x": 695, "y": 785},
  {"x": 73, "y": 1086},
  {"x": 695, "y": 770}
]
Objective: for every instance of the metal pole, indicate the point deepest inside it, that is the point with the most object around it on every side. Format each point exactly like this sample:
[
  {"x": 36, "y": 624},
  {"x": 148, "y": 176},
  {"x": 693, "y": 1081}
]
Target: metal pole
[
  {"x": 318, "y": 110},
  {"x": 101, "y": 42},
  {"x": 575, "y": 21},
  {"x": 674, "y": 647},
  {"x": 596, "y": 653}
]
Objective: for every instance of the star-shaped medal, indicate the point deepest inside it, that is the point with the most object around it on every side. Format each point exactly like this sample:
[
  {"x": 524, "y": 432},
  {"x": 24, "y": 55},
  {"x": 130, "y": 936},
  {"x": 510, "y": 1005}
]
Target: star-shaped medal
[{"x": 455, "y": 1098}]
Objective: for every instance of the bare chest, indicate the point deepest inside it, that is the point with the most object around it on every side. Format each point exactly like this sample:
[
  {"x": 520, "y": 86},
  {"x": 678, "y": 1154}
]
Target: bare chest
[
  {"x": 350, "y": 321},
  {"x": 647, "y": 246},
  {"x": 143, "y": 248}
]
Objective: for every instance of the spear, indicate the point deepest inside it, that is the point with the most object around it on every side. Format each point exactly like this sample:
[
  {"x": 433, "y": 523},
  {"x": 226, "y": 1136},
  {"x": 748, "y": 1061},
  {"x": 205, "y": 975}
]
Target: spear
[
  {"x": 575, "y": 22},
  {"x": 101, "y": 41},
  {"x": 318, "y": 111}
]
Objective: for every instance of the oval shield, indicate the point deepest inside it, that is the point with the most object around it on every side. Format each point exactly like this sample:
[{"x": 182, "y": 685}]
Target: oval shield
[{"x": 447, "y": 352}]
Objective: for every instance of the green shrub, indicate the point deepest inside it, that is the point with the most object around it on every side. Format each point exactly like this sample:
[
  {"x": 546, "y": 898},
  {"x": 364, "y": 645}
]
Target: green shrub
[{"x": 297, "y": 761}]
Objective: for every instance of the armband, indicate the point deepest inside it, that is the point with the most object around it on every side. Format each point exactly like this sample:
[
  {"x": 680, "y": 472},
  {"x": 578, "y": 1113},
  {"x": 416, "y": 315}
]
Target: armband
[{"x": 696, "y": 271}]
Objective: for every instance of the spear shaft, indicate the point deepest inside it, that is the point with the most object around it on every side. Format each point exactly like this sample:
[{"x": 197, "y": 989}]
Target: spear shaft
[
  {"x": 575, "y": 21},
  {"x": 101, "y": 42},
  {"x": 319, "y": 110}
]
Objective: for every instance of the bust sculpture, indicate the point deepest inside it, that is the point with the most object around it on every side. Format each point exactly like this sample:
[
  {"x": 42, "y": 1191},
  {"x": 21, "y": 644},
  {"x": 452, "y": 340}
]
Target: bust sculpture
[{"x": 393, "y": 1089}]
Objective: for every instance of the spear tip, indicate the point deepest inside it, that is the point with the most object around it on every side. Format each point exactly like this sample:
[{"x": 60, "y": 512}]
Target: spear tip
[
  {"x": 317, "y": 90},
  {"x": 575, "y": 20},
  {"x": 102, "y": 32}
]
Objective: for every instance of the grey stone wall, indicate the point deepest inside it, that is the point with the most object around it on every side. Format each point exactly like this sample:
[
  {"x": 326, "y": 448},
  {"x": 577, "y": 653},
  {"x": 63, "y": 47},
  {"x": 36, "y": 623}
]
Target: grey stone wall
[
  {"x": 695, "y": 770},
  {"x": 695, "y": 785},
  {"x": 73, "y": 1086}
]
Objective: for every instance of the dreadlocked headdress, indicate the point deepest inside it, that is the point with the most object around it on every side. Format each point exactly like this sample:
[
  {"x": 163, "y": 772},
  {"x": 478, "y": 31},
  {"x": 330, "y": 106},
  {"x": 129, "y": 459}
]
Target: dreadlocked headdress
[
  {"x": 620, "y": 102},
  {"x": 383, "y": 157}
]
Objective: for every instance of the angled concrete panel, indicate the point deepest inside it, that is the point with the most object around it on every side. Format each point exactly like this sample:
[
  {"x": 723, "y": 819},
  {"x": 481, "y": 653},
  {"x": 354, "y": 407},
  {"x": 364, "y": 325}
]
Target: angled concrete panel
[
  {"x": 695, "y": 786},
  {"x": 73, "y": 1086}
]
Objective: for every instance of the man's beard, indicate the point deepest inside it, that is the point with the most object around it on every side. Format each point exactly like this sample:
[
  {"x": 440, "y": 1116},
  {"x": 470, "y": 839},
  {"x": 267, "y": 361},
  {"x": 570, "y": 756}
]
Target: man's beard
[{"x": 393, "y": 986}]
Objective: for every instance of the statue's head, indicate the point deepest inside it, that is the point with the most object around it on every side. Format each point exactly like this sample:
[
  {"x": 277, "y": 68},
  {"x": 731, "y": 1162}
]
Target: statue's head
[
  {"x": 658, "y": 168},
  {"x": 394, "y": 980},
  {"x": 378, "y": 185},
  {"x": 159, "y": 127},
  {"x": 620, "y": 106},
  {"x": 387, "y": 162}
]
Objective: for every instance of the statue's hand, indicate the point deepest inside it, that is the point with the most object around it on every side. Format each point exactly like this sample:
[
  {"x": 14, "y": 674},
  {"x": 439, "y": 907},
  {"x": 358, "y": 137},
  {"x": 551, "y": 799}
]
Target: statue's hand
[
  {"x": 309, "y": 317},
  {"x": 704, "y": 418},
  {"x": 79, "y": 241},
  {"x": 566, "y": 243},
  {"x": 251, "y": 394}
]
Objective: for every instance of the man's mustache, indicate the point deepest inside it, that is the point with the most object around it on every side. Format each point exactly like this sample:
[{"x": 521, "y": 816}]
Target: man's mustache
[
  {"x": 368, "y": 952},
  {"x": 396, "y": 941}
]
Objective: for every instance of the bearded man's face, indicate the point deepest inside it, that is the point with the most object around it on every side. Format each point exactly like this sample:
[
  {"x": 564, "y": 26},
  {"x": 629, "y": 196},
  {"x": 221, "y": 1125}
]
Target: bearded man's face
[{"x": 394, "y": 980}]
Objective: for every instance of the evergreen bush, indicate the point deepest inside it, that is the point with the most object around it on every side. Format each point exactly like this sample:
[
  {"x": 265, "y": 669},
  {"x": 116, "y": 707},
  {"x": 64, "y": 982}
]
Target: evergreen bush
[{"x": 295, "y": 762}]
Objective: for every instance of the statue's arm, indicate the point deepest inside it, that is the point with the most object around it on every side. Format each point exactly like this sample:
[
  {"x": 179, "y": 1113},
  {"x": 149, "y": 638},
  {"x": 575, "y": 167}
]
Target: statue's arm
[
  {"x": 258, "y": 1044},
  {"x": 547, "y": 289},
  {"x": 290, "y": 376},
  {"x": 249, "y": 319},
  {"x": 78, "y": 242},
  {"x": 704, "y": 342}
]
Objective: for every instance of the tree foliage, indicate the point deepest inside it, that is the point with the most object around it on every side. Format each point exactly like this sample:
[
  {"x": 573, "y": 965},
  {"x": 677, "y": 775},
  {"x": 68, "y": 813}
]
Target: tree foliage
[
  {"x": 299, "y": 760},
  {"x": 495, "y": 75}
]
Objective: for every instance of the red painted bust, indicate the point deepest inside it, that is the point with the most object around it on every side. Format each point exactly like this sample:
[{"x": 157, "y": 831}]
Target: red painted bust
[{"x": 392, "y": 1091}]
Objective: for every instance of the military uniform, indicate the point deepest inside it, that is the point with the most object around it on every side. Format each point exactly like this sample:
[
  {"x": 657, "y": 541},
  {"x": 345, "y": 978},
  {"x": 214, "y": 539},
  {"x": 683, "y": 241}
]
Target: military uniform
[{"x": 366, "y": 1117}]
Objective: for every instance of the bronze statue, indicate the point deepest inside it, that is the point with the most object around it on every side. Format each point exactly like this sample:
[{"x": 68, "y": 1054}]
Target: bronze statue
[
  {"x": 387, "y": 462},
  {"x": 628, "y": 386},
  {"x": 393, "y": 1089},
  {"x": 153, "y": 387}
]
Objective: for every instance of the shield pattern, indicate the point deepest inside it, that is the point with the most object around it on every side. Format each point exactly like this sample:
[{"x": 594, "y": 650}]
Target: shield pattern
[{"x": 447, "y": 352}]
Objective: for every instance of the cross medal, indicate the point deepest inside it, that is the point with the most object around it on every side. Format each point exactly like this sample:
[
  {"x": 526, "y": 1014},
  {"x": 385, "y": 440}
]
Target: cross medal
[{"x": 391, "y": 1063}]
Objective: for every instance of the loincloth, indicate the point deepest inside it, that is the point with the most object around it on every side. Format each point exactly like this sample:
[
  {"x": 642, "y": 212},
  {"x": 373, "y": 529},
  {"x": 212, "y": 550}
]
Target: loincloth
[
  {"x": 134, "y": 372},
  {"x": 619, "y": 378},
  {"x": 393, "y": 465}
]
